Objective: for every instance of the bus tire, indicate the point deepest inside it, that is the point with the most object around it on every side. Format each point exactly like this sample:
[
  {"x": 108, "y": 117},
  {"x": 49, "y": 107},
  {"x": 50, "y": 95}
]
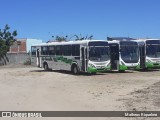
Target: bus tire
[
  {"x": 75, "y": 70},
  {"x": 46, "y": 67}
]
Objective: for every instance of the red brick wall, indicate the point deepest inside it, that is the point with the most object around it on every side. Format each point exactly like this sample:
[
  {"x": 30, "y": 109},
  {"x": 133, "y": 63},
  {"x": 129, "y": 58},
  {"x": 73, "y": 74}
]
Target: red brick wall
[
  {"x": 22, "y": 47},
  {"x": 21, "y": 44}
]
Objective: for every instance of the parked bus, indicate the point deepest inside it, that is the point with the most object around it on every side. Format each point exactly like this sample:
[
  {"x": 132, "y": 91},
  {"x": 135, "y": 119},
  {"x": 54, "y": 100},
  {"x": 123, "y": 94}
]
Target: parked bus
[
  {"x": 77, "y": 56},
  {"x": 149, "y": 53},
  {"x": 124, "y": 54}
]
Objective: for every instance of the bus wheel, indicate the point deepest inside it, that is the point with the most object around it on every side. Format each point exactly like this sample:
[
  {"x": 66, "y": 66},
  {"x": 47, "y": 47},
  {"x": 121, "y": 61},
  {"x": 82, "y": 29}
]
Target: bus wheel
[
  {"x": 46, "y": 66},
  {"x": 75, "y": 70}
]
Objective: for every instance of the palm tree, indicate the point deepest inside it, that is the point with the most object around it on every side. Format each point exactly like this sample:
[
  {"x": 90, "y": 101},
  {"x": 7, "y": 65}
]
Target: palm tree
[
  {"x": 80, "y": 37},
  {"x": 61, "y": 38}
]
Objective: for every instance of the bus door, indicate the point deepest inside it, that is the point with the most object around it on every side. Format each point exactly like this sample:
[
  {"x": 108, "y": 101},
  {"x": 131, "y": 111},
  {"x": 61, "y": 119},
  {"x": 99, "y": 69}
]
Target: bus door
[
  {"x": 142, "y": 56},
  {"x": 38, "y": 57},
  {"x": 84, "y": 59},
  {"x": 114, "y": 56}
]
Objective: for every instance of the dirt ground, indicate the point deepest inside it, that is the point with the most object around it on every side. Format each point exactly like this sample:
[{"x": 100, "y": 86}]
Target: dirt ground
[{"x": 26, "y": 88}]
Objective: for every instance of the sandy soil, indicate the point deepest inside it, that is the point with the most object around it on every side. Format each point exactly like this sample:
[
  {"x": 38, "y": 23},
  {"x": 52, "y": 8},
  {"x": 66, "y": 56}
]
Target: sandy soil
[{"x": 30, "y": 89}]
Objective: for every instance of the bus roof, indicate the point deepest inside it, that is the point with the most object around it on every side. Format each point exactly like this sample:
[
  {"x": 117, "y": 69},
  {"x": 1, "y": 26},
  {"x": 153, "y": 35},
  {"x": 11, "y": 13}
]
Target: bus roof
[
  {"x": 118, "y": 41},
  {"x": 68, "y": 42},
  {"x": 145, "y": 39}
]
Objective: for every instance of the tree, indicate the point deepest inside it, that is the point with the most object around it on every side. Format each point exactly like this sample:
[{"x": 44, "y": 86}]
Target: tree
[
  {"x": 60, "y": 38},
  {"x": 68, "y": 38},
  {"x": 80, "y": 37},
  {"x": 6, "y": 39}
]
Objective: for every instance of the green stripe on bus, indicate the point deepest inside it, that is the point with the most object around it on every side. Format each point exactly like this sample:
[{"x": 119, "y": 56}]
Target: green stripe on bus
[
  {"x": 122, "y": 67},
  {"x": 65, "y": 60}
]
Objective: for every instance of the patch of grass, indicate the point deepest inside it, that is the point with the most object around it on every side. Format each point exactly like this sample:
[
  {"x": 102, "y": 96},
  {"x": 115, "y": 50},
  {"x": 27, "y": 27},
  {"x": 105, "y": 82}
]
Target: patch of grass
[{"x": 28, "y": 62}]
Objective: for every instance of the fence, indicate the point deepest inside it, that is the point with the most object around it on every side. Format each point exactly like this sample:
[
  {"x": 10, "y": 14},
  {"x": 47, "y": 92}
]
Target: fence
[{"x": 15, "y": 58}]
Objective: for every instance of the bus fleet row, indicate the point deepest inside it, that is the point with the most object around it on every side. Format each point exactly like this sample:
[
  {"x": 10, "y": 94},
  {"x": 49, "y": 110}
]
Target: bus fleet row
[{"x": 93, "y": 56}]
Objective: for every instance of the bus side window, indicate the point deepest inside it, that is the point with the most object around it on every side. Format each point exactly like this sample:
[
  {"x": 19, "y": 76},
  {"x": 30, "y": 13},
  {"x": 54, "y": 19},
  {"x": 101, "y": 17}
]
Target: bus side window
[
  {"x": 59, "y": 50},
  {"x": 44, "y": 50},
  {"x": 51, "y": 50},
  {"x": 33, "y": 50},
  {"x": 75, "y": 50},
  {"x": 67, "y": 50}
]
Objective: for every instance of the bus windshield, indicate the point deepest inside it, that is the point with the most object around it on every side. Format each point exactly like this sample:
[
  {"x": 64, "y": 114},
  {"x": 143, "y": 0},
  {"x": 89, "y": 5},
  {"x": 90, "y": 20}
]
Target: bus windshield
[
  {"x": 129, "y": 52},
  {"x": 98, "y": 51},
  {"x": 153, "y": 49}
]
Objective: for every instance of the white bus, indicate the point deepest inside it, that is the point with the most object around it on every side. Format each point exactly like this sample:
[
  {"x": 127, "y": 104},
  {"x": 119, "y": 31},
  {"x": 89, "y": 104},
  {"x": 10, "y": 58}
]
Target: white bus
[
  {"x": 124, "y": 54},
  {"x": 149, "y": 53},
  {"x": 77, "y": 56}
]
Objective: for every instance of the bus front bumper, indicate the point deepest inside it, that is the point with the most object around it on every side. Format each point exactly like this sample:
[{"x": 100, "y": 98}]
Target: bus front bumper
[
  {"x": 153, "y": 65},
  {"x": 124, "y": 67},
  {"x": 94, "y": 70},
  {"x": 150, "y": 66}
]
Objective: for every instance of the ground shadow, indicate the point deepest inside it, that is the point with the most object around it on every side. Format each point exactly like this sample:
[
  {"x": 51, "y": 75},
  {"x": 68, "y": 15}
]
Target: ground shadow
[
  {"x": 68, "y": 72},
  {"x": 148, "y": 70},
  {"x": 113, "y": 72},
  {"x": 4, "y": 60}
]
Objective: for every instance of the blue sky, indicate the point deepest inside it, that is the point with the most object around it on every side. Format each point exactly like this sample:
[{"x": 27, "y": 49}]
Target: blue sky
[{"x": 43, "y": 18}]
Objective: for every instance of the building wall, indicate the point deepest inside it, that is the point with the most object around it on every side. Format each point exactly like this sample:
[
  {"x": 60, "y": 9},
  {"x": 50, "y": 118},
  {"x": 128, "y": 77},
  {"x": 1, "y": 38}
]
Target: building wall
[
  {"x": 18, "y": 46},
  {"x": 15, "y": 58},
  {"x": 19, "y": 52},
  {"x": 23, "y": 45}
]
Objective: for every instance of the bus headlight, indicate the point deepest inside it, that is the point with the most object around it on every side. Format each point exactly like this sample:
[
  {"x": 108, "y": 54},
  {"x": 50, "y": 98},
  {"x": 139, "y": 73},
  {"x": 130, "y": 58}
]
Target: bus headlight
[
  {"x": 109, "y": 65},
  {"x": 91, "y": 65},
  {"x": 122, "y": 63},
  {"x": 148, "y": 61}
]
